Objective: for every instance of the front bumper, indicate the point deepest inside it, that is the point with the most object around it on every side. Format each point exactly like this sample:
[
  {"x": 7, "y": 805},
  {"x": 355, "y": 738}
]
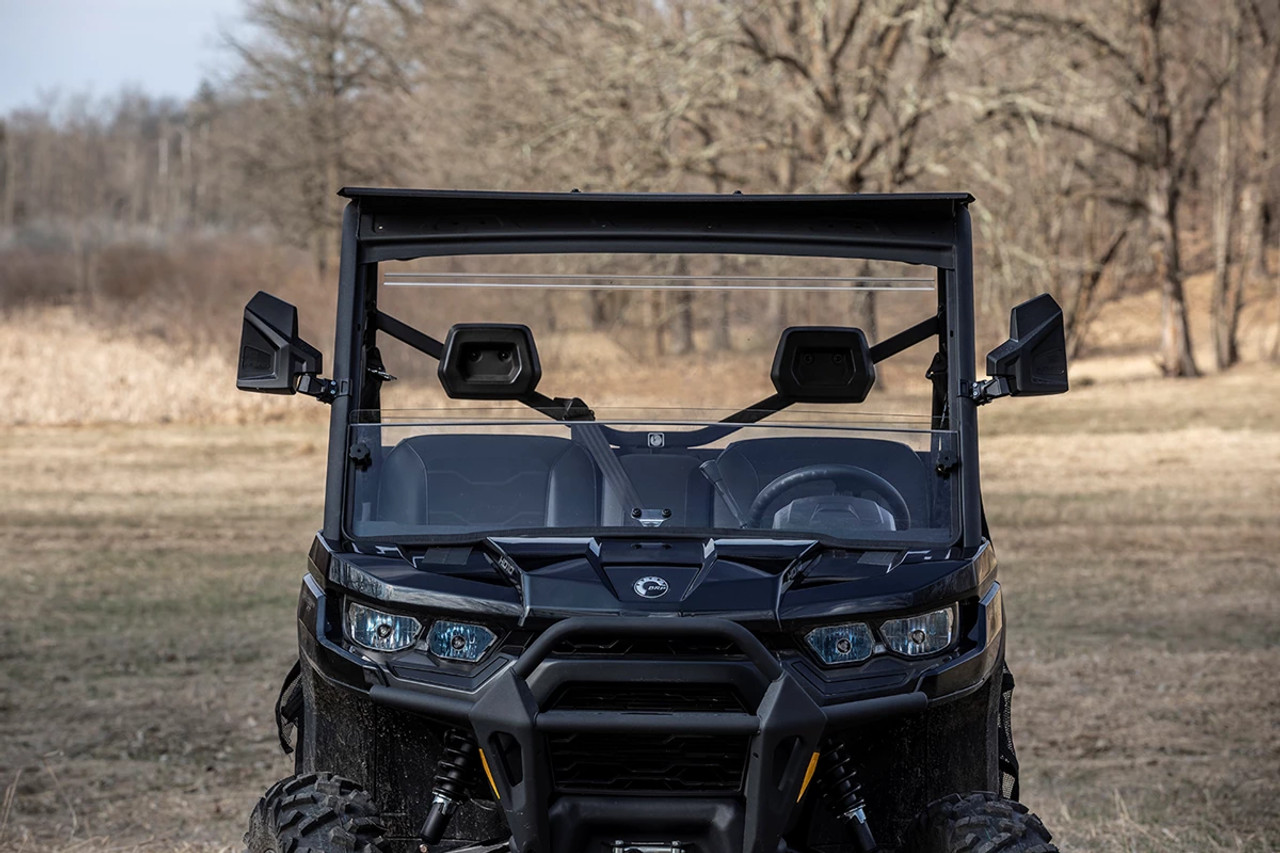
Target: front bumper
[{"x": 789, "y": 706}]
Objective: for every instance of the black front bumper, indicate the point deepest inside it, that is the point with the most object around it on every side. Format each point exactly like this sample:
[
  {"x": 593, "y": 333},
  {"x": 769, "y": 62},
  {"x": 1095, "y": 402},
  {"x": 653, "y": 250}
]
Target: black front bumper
[{"x": 521, "y": 724}]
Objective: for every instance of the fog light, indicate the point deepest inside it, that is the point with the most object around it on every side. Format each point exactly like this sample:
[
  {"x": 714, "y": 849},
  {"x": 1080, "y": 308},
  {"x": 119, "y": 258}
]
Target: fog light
[
  {"x": 841, "y": 643},
  {"x": 459, "y": 641},
  {"x": 381, "y": 632},
  {"x": 925, "y": 634}
]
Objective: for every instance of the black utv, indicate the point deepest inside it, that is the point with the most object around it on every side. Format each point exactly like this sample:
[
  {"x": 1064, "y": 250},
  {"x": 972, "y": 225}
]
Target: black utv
[{"x": 531, "y": 626}]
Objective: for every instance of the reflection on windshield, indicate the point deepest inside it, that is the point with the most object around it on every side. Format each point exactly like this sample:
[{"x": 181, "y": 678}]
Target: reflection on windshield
[{"x": 875, "y": 486}]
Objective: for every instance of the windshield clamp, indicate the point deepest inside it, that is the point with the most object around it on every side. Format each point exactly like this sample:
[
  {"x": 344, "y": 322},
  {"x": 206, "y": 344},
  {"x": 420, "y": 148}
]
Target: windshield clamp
[
  {"x": 360, "y": 456},
  {"x": 947, "y": 461}
]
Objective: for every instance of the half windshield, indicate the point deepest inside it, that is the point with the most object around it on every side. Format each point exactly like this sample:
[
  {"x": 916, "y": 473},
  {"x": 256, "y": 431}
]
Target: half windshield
[
  {"x": 465, "y": 479},
  {"x": 679, "y": 426}
]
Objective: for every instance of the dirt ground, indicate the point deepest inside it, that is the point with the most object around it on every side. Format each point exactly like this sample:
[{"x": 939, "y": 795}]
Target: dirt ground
[{"x": 150, "y": 572}]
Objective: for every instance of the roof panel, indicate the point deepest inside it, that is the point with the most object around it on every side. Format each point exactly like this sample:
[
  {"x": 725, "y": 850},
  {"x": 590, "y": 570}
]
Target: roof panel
[{"x": 407, "y": 223}]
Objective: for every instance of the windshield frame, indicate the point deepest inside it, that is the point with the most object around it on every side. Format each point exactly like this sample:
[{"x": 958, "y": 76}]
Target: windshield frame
[{"x": 926, "y": 229}]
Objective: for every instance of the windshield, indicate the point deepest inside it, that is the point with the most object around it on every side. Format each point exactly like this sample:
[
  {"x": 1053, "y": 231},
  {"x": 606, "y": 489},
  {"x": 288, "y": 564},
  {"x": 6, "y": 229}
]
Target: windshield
[
  {"x": 466, "y": 478},
  {"x": 662, "y": 372}
]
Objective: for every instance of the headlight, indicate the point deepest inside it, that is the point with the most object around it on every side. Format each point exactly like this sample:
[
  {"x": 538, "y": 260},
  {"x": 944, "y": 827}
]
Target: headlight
[
  {"x": 381, "y": 632},
  {"x": 459, "y": 641},
  {"x": 842, "y": 643},
  {"x": 925, "y": 634}
]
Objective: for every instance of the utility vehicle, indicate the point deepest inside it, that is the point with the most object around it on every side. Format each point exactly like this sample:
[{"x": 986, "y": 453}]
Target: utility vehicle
[{"x": 529, "y": 626}]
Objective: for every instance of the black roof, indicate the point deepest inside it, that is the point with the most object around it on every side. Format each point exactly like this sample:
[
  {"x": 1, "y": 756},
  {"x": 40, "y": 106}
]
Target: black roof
[{"x": 401, "y": 224}]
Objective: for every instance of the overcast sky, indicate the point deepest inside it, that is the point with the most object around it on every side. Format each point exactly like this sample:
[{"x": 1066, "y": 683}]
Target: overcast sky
[{"x": 164, "y": 47}]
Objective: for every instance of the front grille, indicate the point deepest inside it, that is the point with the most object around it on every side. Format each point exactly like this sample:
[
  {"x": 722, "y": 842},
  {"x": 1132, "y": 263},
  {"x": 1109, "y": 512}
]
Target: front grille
[
  {"x": 647, "y": 763},
  {"x": 648, "y": 647},
  {"x": 633, "y": 696}
]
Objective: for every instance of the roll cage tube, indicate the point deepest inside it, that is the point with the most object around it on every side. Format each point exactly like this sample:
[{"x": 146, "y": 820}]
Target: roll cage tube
[{"x": 918, "y": 228}]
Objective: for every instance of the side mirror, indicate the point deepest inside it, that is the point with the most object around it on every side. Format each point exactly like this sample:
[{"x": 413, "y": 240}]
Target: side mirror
[
  {"x": 489, "y": 361},
  {"x": 1034, "y": 359},
  {"x": 272, "y": 357}
]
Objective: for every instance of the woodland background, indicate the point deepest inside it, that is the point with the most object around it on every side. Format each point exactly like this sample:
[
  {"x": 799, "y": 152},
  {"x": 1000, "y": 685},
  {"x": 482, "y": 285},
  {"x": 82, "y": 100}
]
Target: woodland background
[{"x": 1118, "y": 150}]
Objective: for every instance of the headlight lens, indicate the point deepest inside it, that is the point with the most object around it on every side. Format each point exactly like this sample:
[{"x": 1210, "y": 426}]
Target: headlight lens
[
  {"x": 925, "y": 634},
  {"x": 459, "y": 641},
  {"x": 381, "y": 632},
  {"x": 842, "y": 643}
]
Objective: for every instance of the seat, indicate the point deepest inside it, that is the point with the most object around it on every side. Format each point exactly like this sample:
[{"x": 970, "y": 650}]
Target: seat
[
  {"x": 748, "y": 466},
  {"x": 488, "y": 482},
  {"x": 664, "y": 481}
]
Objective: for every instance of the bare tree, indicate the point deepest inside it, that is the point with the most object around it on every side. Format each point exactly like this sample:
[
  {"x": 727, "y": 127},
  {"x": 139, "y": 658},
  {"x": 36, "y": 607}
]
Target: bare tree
[
  {"x": 312, "y": 74},
  {"x": 1083, "y": 128},
  {"x": 1228, "y": 281},
  {"x": 1157, "y": 91},
  {"x": 8, "y": 175},
  {"x": 1259, "y": 71}
]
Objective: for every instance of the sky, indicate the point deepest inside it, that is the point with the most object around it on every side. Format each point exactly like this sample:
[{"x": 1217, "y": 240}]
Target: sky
[{"x": 163, "y": 47}]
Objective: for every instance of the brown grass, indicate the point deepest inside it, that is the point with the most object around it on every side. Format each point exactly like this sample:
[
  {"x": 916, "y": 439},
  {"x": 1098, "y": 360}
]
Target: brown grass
[
  {"x": 59, "y": 368},
  {"x": 1140, "y": 569}
]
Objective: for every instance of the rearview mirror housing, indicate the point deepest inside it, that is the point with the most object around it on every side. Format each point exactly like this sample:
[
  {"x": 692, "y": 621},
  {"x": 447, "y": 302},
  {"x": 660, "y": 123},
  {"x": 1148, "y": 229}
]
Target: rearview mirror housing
[
  {"x": 1034, "y": 359},
  {"x": 272, "y": 357},
  {"x": 489, "y": 361},
  {"x": 823, "y": 364}
]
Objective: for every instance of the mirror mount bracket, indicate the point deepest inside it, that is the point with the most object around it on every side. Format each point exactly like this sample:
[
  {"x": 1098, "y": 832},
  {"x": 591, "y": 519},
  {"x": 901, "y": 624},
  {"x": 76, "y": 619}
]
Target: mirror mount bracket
[
  {"x": 988, "y": 389},
  {"x": 324, "y": 390}
]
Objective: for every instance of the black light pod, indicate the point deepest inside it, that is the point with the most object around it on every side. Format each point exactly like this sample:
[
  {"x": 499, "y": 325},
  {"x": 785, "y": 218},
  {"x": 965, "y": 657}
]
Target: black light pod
[
  {"x": 489, "y": 361},
  {"x": 823, "y": 364}
]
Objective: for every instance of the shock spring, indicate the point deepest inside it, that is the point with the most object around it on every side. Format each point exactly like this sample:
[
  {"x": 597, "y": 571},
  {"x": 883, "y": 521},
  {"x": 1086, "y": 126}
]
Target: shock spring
[
  {"x": 450, "y": 786},
  {"x": 842, "y": 792}
]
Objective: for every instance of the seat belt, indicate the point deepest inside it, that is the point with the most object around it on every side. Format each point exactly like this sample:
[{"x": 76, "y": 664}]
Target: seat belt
[
  {"x": 597, "y": 446},
  {"x": 575, "y": 414}
]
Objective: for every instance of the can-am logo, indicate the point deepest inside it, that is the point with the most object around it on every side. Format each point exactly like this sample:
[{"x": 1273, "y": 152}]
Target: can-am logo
[{"x": 651, "y": 587}]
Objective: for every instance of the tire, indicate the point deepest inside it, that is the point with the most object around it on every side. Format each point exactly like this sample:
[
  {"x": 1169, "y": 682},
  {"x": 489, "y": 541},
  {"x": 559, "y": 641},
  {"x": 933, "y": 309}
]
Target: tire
[
  {"x": 315, "y": 813},
  {"x": 977, "y": 823}
]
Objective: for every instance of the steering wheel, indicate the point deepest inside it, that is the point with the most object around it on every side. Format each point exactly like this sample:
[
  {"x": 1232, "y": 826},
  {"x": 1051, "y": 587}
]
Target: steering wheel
[{"x": 868, "y": 480}]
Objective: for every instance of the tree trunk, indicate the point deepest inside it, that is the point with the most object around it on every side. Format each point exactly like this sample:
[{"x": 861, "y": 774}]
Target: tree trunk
[
  {"x": 1266, "y": 213},
  {"x": 1224, "y": 311},
  {"x": 680, "y": 322},
  {"x": 1082, "y": 306},
  {"x": 1262, "y": 220},
  {"x": 870, "y": 319},
  {"x": 8, "y": 173},
  {"x": 1176, "y": 355},
  {"x": 1228, "y": 282},
  {"x": 777, "y": 310},
  {"x": 722, "y": 323},
  {"x": 657, "y": 310}
]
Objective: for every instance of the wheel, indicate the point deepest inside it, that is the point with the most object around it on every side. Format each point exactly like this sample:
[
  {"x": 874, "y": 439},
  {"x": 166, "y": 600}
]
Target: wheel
[
  {"x": 315, "y": 813},
  {"x": 977, "y": 823}
]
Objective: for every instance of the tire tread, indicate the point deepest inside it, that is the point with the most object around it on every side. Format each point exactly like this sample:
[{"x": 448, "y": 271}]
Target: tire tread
[
  {"x": 979, "y": 822},
  {"x": 315, "y": 813}
]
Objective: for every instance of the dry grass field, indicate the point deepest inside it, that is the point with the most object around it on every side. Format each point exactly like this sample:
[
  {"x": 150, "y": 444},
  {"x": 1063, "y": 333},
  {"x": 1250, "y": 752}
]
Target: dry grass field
[{"x": 149, "y": 577}]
